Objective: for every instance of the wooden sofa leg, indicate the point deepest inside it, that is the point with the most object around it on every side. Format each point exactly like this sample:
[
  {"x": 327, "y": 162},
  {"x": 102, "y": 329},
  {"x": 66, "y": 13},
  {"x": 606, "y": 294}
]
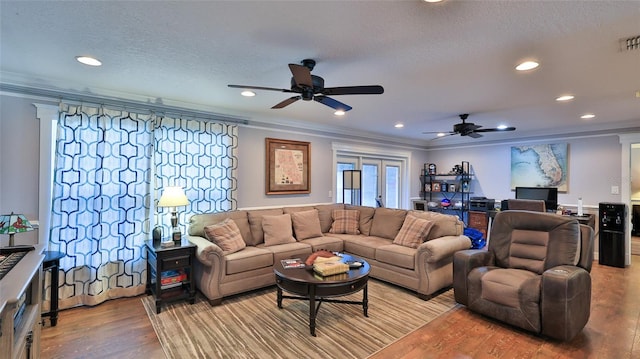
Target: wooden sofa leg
[{"x": 214, "y": 302}]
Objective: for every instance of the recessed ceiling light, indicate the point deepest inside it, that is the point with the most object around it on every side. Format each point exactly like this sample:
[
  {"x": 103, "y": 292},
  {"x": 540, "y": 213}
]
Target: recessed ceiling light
[
  {"x": 432, "y": 1},
  {"x": 565, "y": 98},
  {"x": 398, "y": 125},
  {"x": 339, "y": 113},
  {"x": 441, "y": 134},
  {"x": 587, "y": 116},
  {"x": 247, "y": 93},
  {"x": 502, "y": 127},
  {"x": 88, "y": 61},
  {"x": 527, "y": 65}
]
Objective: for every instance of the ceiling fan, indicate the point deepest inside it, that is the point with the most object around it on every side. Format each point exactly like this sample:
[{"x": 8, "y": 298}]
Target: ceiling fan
[
  {"x": 470, "y": 129},
  {"x": 311, "y": 87}
]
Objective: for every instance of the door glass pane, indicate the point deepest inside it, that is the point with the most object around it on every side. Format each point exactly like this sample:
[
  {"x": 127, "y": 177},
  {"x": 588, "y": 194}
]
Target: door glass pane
[
  {"x": 369, "y": 185},
  {"x": 392, "y": 186},
  {"x": 341, "y": 167}
]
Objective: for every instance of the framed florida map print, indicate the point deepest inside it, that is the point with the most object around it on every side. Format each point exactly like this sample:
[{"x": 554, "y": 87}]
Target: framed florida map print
[{"x": 288, "y": 164}]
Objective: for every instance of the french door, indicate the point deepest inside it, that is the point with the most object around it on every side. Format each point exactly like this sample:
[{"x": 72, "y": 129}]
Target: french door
[{"x": 381, "y": 180}]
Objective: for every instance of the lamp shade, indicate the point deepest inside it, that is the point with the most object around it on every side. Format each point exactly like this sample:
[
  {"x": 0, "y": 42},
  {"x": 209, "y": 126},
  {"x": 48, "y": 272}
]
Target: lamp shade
[
  {"x": 14, "y": 223},
  {"x": 173, "y": 197}
]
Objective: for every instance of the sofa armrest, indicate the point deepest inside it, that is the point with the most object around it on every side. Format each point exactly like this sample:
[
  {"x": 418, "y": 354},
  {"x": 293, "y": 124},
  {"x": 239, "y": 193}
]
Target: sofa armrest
[
  {"x": 443, "y": 247},
  {"x": 207, "y": 252},
  {"x": 566, "y": 301},
  {"x": 463, "y": 263}
]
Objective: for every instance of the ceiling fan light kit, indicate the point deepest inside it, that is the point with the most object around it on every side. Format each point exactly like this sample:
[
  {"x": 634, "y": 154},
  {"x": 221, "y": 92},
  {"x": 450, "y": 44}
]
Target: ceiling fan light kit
[{"x": 311, "y": 87}]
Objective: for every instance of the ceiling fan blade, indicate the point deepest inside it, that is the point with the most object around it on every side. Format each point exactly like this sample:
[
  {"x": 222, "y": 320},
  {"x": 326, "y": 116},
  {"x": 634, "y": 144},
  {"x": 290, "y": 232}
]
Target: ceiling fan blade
[
  {"x": 354, "y": 90},
  {"x": 447, "y": 134},
  {"x": 335, "y": 104},
  {"x": 287, "y": 102},
  {"x": 472, "y": 135},
  {"x": 496, "y": 129},
  {"x": 302, "y": 75},
  {"x": 259, "y": 88}
]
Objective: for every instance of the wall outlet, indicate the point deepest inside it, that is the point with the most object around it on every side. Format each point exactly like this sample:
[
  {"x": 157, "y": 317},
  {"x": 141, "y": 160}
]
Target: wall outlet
[{"x": 615, "y": 190}]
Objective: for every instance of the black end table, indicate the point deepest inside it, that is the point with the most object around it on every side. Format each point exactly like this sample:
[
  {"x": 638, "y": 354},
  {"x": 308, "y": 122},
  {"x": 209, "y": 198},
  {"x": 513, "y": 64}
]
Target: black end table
[
  {"x": 52, "y": 263},
  {"x": 161, "y": 259}
]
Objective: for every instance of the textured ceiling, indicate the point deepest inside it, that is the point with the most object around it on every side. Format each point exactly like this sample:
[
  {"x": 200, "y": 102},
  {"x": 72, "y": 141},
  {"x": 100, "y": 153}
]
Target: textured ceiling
[{"x": 435, "y": 61}]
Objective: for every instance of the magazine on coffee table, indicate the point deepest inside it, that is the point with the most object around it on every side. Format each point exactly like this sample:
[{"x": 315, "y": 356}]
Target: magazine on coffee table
[{"x": 292, "y": 263}]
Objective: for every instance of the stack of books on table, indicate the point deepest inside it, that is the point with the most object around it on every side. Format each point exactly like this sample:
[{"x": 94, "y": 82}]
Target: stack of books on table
[
  {"x": 326, "y": 268},
  {"x": 172, "y": 278}
]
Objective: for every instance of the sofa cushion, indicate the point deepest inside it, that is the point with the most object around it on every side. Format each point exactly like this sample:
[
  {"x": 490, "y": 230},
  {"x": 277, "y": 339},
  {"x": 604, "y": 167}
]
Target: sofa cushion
[
  {"x": 287, "y": 250},
  {"x": 197, "y": 222},
  {"x": 277, "y": 230},
  {"x": 325, "y": 213},
  {"x": 306, "y": 224},
  {"x": 248, "y": 259},
  {"x": 363, "y": 246},
  {"x": 345, "y": 221},
  {"x": 444, "y": 224},
  {"x": 387, "y": 222},
  {"x": 366, "y": 216},
  {"x": 255, "y": 222},
  {"x": 396, "y": 255},
  {"x": 328, "y": 243},
  {"x": 292, "y": 210},
  {"x": 414, "y": 231},
  {"x": 226, "y": 235}
]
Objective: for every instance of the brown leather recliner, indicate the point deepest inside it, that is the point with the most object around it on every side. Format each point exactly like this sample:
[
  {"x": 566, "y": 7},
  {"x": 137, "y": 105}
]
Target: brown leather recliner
[{"x": 534, "y": 275}]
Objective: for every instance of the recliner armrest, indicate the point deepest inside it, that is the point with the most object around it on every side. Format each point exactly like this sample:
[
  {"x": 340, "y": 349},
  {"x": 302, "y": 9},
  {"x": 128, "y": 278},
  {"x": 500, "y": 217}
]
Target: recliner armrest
[
  {"x": 565, "y": 301},
  {"x": 463, "y": 263}
]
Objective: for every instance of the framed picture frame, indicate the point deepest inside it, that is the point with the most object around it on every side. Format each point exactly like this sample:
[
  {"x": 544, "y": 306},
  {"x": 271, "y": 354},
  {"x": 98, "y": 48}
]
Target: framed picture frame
[
  {"x": 435, "y": 187},
  {"x": 288, "y": 166},
  {"x": 465, "y": 167}
]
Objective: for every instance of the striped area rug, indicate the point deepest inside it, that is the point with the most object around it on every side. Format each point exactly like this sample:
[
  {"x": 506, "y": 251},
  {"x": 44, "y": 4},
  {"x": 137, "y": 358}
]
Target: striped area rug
[{"x": 251, "y": 325}]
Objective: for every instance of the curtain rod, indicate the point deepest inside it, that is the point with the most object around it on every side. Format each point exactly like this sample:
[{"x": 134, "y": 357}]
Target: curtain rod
[{"x": 118, "y": 102}]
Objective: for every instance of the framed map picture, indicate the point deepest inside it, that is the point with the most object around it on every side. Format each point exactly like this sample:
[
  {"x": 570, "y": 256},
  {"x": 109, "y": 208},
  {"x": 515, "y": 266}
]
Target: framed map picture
[
  {"x": 288, "y": 164},
  {"x": 539, "y": 166}
]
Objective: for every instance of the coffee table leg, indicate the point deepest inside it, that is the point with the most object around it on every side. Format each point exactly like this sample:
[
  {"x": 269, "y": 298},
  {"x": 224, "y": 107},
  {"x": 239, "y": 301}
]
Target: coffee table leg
[
  {"x": 279, "y": 298},
  {"x": 312, "y": 310},
  {"x": 365, "y": 300}
]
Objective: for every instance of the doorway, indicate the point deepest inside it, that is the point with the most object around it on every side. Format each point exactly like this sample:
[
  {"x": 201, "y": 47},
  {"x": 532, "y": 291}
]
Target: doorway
[{"x": 381, "y": 180}]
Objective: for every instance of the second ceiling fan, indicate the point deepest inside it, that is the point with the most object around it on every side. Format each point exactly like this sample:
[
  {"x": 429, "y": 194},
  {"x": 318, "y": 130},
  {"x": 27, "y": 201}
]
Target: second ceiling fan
[
  {"x": 470, "y": 129},
  {"x": 311, "y": 87}
]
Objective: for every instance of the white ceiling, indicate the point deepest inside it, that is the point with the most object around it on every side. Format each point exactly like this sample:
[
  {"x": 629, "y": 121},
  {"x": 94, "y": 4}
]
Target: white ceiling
[{"x": 434, "y": 61}]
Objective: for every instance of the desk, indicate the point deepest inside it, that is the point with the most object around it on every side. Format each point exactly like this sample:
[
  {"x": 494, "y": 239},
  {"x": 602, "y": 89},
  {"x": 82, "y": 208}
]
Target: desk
[{"x": 52, "y": 263}]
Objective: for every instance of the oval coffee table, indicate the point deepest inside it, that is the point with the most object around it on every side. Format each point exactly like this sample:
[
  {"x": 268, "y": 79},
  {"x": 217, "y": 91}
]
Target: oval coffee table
[{"x": 307, "y": 285}]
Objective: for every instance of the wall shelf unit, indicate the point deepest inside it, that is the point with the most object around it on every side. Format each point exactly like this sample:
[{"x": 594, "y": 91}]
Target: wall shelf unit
[{"x": 447, "y": 192}]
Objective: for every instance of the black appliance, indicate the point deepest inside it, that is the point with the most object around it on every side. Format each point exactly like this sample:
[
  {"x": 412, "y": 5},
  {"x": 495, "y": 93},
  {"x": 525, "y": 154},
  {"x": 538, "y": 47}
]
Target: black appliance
[
  {"x": 635, "y": 220},
  {"x": 611, "y": 249},
  {"x": 481, "y": 204}
]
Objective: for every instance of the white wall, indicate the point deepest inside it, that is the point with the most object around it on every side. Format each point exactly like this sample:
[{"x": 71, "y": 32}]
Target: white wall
[
  {"x": 594, "y": 166},
  {"x": 19, "y": 162}
]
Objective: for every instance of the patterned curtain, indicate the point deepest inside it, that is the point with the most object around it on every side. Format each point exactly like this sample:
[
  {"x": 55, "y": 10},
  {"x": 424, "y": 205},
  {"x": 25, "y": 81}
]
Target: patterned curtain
[
  {"x": 101, "y": 203},
  {"x": 201, "y": 157},
  {"x": 104, "y": 198}
]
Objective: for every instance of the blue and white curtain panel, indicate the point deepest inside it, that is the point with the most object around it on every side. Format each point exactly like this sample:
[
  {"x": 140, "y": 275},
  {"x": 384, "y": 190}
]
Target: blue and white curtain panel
[{"x": 110, "y": 167}]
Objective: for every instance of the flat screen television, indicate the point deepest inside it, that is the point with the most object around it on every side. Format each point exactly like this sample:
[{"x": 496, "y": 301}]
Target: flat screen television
[{"x": 548, "y": 194}]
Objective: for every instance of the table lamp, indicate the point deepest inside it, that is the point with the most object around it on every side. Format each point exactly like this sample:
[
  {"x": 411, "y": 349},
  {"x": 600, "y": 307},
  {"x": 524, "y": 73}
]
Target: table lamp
[
  {"x": 174, "y": 197},
  {"x": 14, "y": 223}
]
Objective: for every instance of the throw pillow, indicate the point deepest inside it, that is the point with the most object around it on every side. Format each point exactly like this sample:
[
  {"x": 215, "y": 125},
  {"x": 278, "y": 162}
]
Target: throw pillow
[
  {"x": 277, "y": 230},
  {"x": 306, "y": 224},
  {"x": 413, "y": 232},
  {"x": 226, "y": 235},
  {"x": 345, "y": 221}
]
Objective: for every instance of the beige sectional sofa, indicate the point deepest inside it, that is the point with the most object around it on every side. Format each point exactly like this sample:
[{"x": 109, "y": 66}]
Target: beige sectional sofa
[{"x": 237, "y": 249}]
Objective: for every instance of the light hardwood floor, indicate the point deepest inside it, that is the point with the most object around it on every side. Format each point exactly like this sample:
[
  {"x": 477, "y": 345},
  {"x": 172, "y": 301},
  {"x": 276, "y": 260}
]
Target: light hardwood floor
[{"x": 120, "y": 328}]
